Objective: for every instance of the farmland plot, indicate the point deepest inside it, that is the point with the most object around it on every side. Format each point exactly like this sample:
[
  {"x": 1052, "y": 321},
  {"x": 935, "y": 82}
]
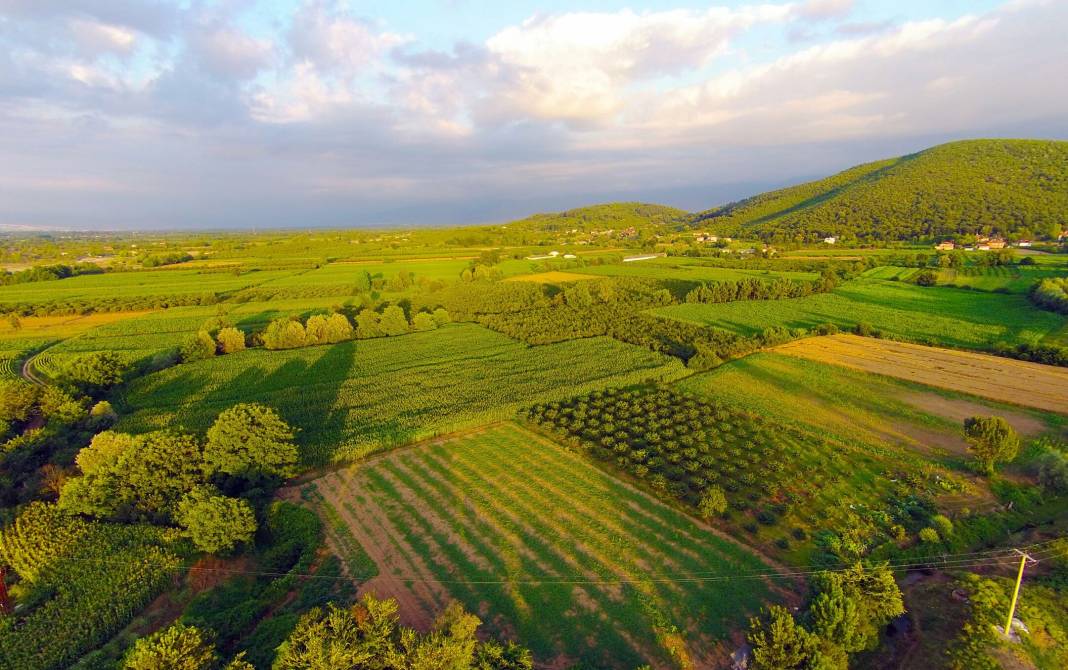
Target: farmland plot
[
  {"x": 949, "y": 316},
  {"x": 544, "y": 548},
  {"x": 1004, "y": 379},
  {"x": 355, "y": 397}
]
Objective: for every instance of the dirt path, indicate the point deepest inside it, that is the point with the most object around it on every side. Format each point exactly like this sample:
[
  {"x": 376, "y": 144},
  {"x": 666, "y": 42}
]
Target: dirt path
[{"x": 1002, "y": 379}]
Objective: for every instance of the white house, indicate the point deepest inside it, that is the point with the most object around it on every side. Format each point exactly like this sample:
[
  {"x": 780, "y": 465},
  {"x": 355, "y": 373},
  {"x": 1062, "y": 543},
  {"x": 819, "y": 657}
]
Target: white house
[{"x": 830, "y": 240}]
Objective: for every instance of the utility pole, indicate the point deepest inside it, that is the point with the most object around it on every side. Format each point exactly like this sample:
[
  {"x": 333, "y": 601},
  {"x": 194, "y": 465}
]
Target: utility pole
[{"x": 1024, "y": 558}]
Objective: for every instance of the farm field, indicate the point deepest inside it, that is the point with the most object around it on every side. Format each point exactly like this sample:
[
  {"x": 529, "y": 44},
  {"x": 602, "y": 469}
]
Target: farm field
[
  {"x": 359, "y": 396},
  {"x": 667, "y": 268},
  {"x": 348, "y": 271},
  {"x": 552, "y": 277},
  {"x": 1015, "y": 279},
  {"x": 935, "y": 315},
  {"x": 1007, "y": 380},
  {"x": 856, "y": 406},
  {"x": 143, "y": 283},
  {"x": 544, "y": 548}
]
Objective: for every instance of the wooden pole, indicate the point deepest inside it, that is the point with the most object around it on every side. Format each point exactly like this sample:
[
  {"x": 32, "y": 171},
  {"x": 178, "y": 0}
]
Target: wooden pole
[{"x": 1016, "y": 591}]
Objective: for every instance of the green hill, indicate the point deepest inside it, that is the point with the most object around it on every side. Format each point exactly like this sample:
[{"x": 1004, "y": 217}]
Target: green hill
[
  {"x": 616, "y": 215},
  {"x": 1006, "y": 187}
]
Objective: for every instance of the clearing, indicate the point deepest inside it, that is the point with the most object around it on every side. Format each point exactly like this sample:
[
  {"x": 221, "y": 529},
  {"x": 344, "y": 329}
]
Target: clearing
[
  {"x": 1002, "y": 379},
  {"x": 543, "y": 547},
  {"x": 552, "y": 277}
]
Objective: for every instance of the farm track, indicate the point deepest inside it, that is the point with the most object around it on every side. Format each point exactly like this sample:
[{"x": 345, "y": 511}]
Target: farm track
[{"x": 1002, "y": 379}]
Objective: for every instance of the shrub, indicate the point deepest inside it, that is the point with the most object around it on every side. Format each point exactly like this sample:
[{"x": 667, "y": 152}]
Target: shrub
[
  {"x": 230, "y": 340},
  {"x": 713, "y": 502},
  {"x": 284, "y": 334},
  {"x": 767, "y": 517},
  {"x": 943, "y": 525},
  {"x": 393, "y": 321},
  {"x": 926, "y": 278},
  {"x": 928, "y": 535},
  {"x": 424, "y": 321},
  {"x": 198, "y": 347}
]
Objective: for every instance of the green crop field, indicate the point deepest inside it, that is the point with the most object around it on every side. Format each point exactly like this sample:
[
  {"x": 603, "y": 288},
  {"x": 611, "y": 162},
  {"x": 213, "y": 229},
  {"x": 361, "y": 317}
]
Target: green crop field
[
  {"x": 546, "y": 548},
  {"x": 355, "y": 397},
  {"x": 947, "y": 316},
  {"x": 147, "y": 283},
  {"x": 1015, "y": 279},
  {"x": 669, "y": 269}
]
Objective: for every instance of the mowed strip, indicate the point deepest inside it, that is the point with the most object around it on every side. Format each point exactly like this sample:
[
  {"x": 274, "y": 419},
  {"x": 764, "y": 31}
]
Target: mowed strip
[
  {"x": 545, "y": 547},
  {"x": 1003, "y": 379}
]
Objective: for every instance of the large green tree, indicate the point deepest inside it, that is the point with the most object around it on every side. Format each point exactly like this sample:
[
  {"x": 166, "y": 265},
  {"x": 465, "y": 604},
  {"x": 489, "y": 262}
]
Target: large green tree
[
  {"x": 779, "y": 643},
  {"x": 214, "y": 522},
  {"x": 991, "y": 440},
  {"x": 251, "y": 441}
]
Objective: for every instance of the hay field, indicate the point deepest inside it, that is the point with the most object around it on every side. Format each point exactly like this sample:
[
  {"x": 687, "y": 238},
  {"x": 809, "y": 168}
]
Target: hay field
[{"x": 1003, "y": 379}]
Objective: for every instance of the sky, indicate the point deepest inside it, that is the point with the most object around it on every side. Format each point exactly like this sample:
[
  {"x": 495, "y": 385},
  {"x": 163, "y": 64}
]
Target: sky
[{"x": 157, "y": 114}]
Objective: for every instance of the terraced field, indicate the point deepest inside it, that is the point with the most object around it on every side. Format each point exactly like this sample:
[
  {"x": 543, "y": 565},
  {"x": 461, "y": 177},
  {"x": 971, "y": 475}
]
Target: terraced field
[
  {"x": 356, "y": 397},
  {"x": 933, "y": 315},
  {"x": 1003, "y": 379},
  {"x": 545, "y": 548}
]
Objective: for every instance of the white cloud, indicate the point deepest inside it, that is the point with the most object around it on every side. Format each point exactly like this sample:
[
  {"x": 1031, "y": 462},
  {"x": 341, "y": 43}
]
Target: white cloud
[
  {"x": 95, "y": 37},
  {"x": 577, "y": 66},
  {"x": 327, "y": 36}
]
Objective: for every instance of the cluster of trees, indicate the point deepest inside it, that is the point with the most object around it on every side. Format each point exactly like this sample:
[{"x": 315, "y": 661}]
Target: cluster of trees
[
  {"x": 847, "y": 611},
  {"x": 758, "y": 289},
  {"x": 290, "y": 333},
  {"x": 696, "y": 451},
  {"x": 111, "y": 304},
  {"x": 982, "y": 187},
  {"x": 170, "y": 258},
  {"x": 366, "y": 636},
  {"x": 49, "y": 273},
  {"x": 1051, "y": 294},
  {"x": 173, "y": 478}
]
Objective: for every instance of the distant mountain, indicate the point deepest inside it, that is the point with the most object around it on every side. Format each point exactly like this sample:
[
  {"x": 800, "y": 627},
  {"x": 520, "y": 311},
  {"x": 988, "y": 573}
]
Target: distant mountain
[
  {"x": 615, "y": 215},
  {"x": 1007, "y": 187}
]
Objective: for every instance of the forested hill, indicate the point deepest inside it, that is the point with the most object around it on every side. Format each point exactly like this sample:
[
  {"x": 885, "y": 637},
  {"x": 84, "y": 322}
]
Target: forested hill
[
  {"x": 615, "y": 215},
  {"x": 1007, "y": 187}
]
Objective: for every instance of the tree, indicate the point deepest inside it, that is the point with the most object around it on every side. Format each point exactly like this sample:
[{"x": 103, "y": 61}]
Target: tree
[
  {"x": 231, "y": 340},
  {"x": 926, "y": 278},
  {"x": 178, "y": 647},
  {"x": 1052, "y": 470},
  {"x": 991, "y": 440},
  {"x": 199, "y": 347},
  {"x": 943, "y": 525},
  {"x": 859, "y": 602},
  {"x": 779, "y": 643},
  {"x": 216, "y": 523},
  {"x": 105, "y": 448},
  {"x": 315, "y": 330},
  {"x": 103, "y": 415},
  {"x": 393, "y": 321},
  {"x": 250, "y": 440},
  {"x": 17, "y": 400},
  {"x": 423, "y": 321},
  {"x": 338, "y": 328},
  {"x": 367, "y": 325},
  {"x": 441, "y": 316},
  {"x": 284, "y": 334},
  {"x": 95, "y": 372},
  {"x": 360, "y": 637},
  {"x": 928, "y": 535},
  {"x": 450, "y": 645},
  {"x": 713, "y": 502},
  {"x": 492, "y": 655}
]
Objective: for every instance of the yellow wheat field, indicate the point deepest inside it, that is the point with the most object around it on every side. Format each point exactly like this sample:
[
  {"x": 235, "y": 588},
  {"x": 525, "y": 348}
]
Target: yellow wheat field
[{"x": 1004, "y": 379}]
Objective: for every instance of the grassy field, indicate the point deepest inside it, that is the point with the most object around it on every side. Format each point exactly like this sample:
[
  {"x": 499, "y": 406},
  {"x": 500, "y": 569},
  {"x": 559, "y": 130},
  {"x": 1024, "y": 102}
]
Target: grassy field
[
  {"x": 353, "y": 398},
  {"x": 1001, "y": 379},
  {"x": 544, "y": 548},
  {"x": 853, "y": 406},
  {"x": 1014, "y": 279},
  {"x": 935, "y": 315},
  {"x": 688, "y": 271},
  {"x": 147, "y": 283}
]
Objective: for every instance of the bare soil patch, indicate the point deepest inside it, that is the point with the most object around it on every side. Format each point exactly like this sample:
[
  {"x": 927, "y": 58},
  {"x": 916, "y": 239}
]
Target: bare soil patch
[
  {"x": 552, "y": 277},
  {"x": 959, "y": 409},
  {"x": 1002, "y": 379}
]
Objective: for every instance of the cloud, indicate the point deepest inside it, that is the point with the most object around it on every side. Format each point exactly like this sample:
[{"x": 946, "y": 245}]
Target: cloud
[{"x": 183, "y": 114}]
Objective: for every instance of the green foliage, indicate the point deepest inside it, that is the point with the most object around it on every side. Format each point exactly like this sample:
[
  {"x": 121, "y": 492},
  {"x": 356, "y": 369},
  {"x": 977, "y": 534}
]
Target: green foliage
[
  {"x": 713, "y": 502},
  {"x": 18, "y": 400},
  {"x": 943, "y": 525},
  {"x": 926, "y": 278},
  {"x": 96, "y": 372},
  {"x": 177, "y": 647},
  {"x": 779, "y": 643},
  {"x": 929, "y": 536},
  {"x": 393, "y": 321},
  {"x": 231, "y": 340},
  {"x": 1052, "y": 470},
  {"x": 943, "y": 192},
  {"x": 215, "y": 523},
  {"x": 91, "y": 577},
  {"x": 138, "y": 478},
  {"x": 284, "y": 334},
  {"x": 198, "y": 347},
  {"x": 991, "y": 440},
  {"x": 1051, "y": 294},
  {"x": 251, "y": 441},
  {"x": 423, "y": 321}
]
